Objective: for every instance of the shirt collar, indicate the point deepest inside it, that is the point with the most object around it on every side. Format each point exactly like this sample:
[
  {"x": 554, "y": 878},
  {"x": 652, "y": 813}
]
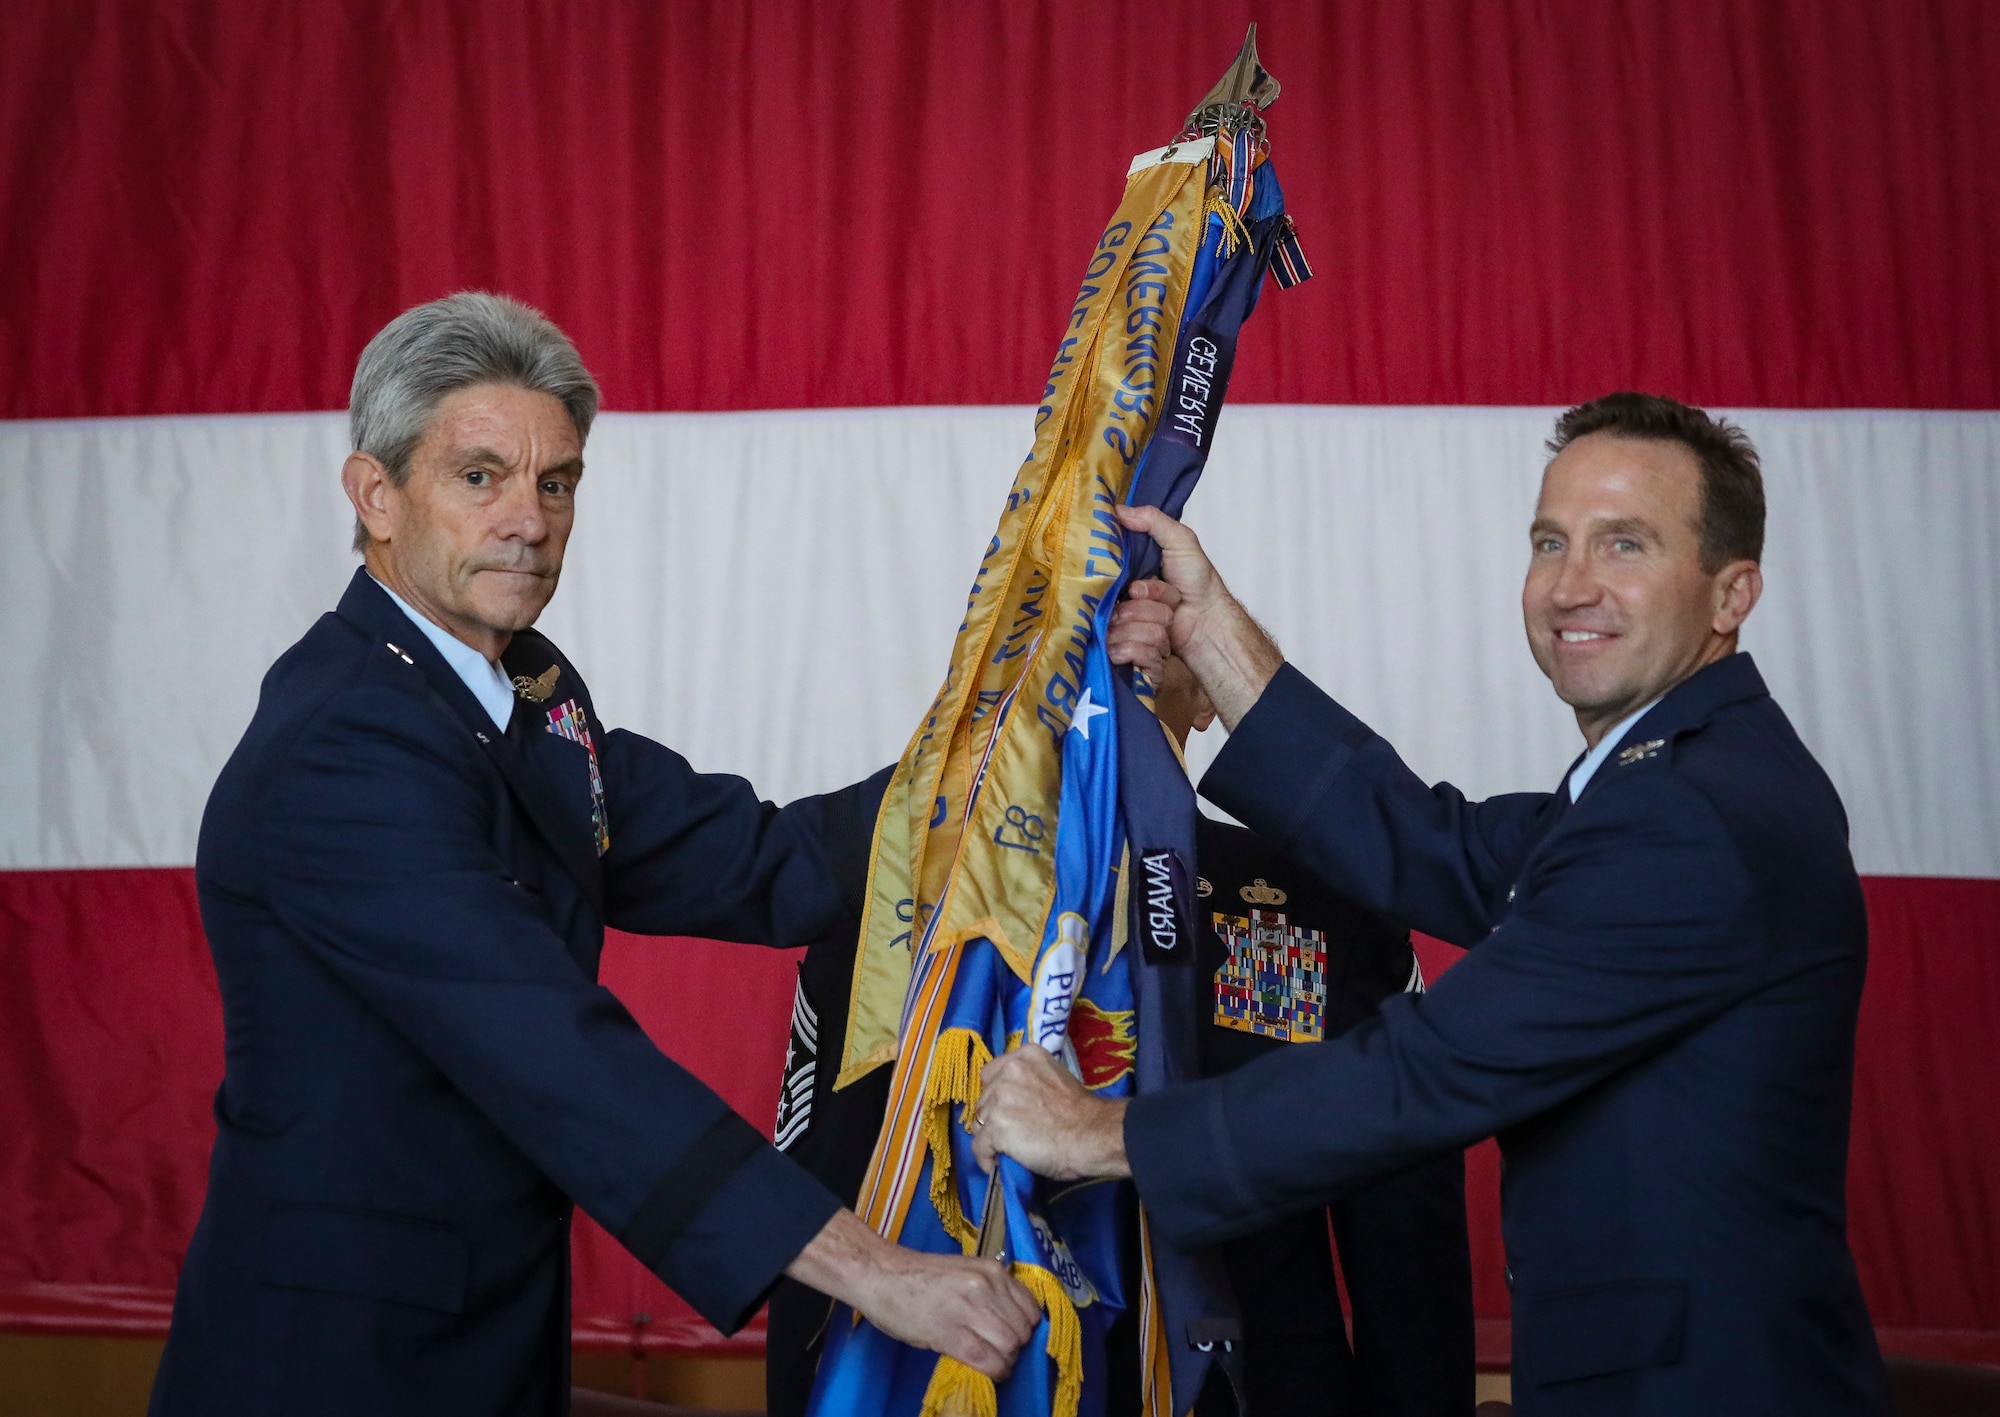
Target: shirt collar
[
  {"x": 1581, "y": 774},
  {"x": 487, "y": 681}
]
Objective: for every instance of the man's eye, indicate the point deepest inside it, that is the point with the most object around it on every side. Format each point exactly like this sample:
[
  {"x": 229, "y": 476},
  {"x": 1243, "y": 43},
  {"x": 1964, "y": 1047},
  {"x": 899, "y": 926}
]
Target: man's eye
[
  {"x": 1548, "y": 543},
  {"x": 1625, "y": 543},
  {"x": 555, "y": 487},
  {"x": 478, "y": 477}
]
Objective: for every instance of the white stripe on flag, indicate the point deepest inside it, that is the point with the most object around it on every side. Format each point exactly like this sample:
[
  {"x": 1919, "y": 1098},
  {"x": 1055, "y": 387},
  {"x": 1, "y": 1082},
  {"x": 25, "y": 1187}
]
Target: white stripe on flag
[{"x": 774, "y": 594}]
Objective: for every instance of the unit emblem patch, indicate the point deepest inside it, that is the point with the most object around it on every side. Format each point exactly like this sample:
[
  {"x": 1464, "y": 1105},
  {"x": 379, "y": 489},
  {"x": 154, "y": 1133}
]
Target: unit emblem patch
[
  {"x": 566, "y": 720},
  {"x": 1274, "y": 984}
]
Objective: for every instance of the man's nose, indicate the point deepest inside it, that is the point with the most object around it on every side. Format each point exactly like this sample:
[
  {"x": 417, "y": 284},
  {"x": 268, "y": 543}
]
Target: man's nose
[
  {"x": 521, "y": 514},
  {"x": 1576, "y": 583}
]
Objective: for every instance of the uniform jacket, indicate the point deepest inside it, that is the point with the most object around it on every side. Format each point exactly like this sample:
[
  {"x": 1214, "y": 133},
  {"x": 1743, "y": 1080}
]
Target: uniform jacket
[
  {"x": 1405, "y": 1259},
  {"x": 1657, "y": 1019},
  {"x": 1365, "y": 958},
  {"x": 406, "y": 908}
]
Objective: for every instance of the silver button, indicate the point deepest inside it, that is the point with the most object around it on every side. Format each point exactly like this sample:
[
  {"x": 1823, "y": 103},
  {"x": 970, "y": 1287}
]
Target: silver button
[{"x": 1510, "y": 894}]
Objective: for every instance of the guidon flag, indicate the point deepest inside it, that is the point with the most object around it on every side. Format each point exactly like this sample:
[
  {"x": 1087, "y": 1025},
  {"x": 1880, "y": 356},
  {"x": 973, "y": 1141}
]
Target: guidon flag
[{"x": 1032, "y": 864}]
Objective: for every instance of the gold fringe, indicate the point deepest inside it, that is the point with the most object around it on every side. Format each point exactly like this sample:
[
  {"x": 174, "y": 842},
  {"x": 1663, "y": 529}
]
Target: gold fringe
[
  {"x": 957, "y": 1059},
  {"x": 1065, "y": 1335},
  {"x": 958, "y": 1391}
]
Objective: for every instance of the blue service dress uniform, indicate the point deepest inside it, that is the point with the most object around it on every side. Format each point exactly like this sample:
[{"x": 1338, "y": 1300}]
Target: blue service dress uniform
[
  {"x": 1656, "y": 1017},
  {"x": 421, "y": 1074},
  {"x": 1294, "y": 962}
]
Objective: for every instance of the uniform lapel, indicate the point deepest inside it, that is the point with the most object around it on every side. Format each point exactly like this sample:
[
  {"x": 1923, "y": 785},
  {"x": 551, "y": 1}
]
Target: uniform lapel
[
  {"x": 519, "y": 755},
  {"x": 513, "y": 754},
  {"x": 1687, "y": 706},
  {"x": 551, "y": 728}
]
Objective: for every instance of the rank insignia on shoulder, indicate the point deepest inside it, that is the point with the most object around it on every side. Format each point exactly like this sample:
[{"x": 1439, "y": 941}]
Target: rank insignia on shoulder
[
  {"x": 1639, "y": 752},
  {"x": 1260, "y": 893},
  {"x": 538, "y": 689},
  {"x": 400, "y": 653},
  {"x": 1274, "y": 984}
]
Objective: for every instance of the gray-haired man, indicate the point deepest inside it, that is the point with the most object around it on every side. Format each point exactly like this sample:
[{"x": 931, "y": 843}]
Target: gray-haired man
[{"x": 405, "y": 872}]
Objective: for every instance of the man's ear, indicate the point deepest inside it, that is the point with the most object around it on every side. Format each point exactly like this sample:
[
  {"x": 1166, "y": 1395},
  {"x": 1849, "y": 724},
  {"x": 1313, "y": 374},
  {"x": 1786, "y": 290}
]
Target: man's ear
[
  {"x": 367, "y": 485},
  {"x": 1202, "y": 712},
  {"x": 1738, "y": 587}
]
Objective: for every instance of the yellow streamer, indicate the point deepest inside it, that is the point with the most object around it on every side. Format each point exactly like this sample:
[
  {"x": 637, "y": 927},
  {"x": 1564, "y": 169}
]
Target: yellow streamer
[{"x": 958, "y": 1391}]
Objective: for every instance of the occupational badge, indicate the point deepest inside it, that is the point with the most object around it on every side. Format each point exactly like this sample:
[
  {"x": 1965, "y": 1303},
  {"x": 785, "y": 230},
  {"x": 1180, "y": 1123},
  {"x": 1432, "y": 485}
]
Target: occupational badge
[{"x": 538, "y": 689}]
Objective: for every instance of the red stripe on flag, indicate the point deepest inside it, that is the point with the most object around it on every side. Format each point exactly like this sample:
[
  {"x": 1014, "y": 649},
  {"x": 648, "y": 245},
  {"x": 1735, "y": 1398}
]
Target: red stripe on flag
[
  {"x": 1787, "y": 204},
  {"x": 111, "y": 1046}
]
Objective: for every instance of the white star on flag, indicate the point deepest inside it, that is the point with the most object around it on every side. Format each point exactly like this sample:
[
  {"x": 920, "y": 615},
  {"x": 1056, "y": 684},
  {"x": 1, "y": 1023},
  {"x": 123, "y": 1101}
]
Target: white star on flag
[{"x": 1079, "y": 721}]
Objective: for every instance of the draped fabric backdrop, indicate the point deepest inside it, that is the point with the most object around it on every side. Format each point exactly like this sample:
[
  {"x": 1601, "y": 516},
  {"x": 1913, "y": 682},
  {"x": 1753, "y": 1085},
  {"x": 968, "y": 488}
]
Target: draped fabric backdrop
[{"x": 819, "y": 257}]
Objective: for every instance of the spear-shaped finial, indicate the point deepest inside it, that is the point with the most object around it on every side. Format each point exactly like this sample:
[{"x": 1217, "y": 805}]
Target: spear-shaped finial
[{"x": 1246, "y": 81}]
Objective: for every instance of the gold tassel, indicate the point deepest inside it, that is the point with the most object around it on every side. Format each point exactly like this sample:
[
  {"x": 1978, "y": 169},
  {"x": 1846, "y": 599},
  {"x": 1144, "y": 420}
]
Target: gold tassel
[
  {"x": 1234, "y": 232},
  {"x": 1065, "y": 1335},
  {"x": 958, "y": 1391},
  {"x": 958, "y": 1057}
]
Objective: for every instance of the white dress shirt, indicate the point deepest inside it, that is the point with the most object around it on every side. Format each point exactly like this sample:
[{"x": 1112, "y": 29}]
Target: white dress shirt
[{"x": 488, "y": 681}]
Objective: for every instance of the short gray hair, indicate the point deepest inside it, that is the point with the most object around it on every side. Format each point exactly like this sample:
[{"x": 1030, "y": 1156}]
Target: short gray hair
[{"x": 431, "y": 351}]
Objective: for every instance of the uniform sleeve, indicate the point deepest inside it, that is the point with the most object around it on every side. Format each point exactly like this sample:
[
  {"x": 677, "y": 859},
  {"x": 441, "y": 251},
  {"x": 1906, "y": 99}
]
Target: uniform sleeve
[
  {"x": 1320, "y": 783},
  {"x": 378, "y": 857},
  {"x": 1637, "y": 927},
  {"x": 700, "y": 854}
]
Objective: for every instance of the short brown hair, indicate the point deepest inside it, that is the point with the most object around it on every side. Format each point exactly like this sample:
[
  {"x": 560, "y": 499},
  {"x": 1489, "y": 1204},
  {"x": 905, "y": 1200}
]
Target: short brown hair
[{"x": 1732, "y": 480}]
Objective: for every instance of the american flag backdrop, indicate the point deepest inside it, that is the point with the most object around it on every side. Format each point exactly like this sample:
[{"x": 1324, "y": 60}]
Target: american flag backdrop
[{"x": 817, "y": 256}]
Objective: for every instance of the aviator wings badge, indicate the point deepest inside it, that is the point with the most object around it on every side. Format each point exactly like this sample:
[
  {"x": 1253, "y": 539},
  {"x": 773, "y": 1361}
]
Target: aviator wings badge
[{"x": 537, "y": 690}]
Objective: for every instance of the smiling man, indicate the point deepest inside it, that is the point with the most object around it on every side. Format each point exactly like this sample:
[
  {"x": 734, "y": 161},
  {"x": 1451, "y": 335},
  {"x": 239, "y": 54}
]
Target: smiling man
[
  {"x": 1657, "y": 1014},
  {"x": 405, "y": 872}
]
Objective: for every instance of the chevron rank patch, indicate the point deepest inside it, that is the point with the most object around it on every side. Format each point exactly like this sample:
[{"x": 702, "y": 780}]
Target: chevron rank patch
[
  {"x": 1274, "y": 984},
  {"x": 795, "y": 1088}
]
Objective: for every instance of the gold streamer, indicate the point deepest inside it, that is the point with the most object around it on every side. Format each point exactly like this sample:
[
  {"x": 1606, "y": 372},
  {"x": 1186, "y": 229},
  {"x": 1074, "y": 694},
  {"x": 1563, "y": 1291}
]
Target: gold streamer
[{"x": 1017, "y": 624}]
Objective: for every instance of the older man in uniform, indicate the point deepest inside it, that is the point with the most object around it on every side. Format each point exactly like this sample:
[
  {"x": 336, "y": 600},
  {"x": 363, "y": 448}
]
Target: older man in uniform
[
  {"x": 1658, "y": 1017},
  {"x": 405, "y": 871}
]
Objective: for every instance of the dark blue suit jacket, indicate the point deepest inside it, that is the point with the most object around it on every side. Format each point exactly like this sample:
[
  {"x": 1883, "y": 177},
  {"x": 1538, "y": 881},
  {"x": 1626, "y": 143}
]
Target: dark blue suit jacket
[
  {"x": 1657, "y": 1021},
  {"x": 406, "y": 909}
]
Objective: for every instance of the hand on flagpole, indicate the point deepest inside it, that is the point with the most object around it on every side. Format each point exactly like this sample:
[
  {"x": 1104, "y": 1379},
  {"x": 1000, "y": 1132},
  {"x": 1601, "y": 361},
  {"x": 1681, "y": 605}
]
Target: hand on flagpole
[
  {"x": 1190, "y": 613},
  {"x": 971, "y": 1309},
  {"x": 1033, "y": 1109}
]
